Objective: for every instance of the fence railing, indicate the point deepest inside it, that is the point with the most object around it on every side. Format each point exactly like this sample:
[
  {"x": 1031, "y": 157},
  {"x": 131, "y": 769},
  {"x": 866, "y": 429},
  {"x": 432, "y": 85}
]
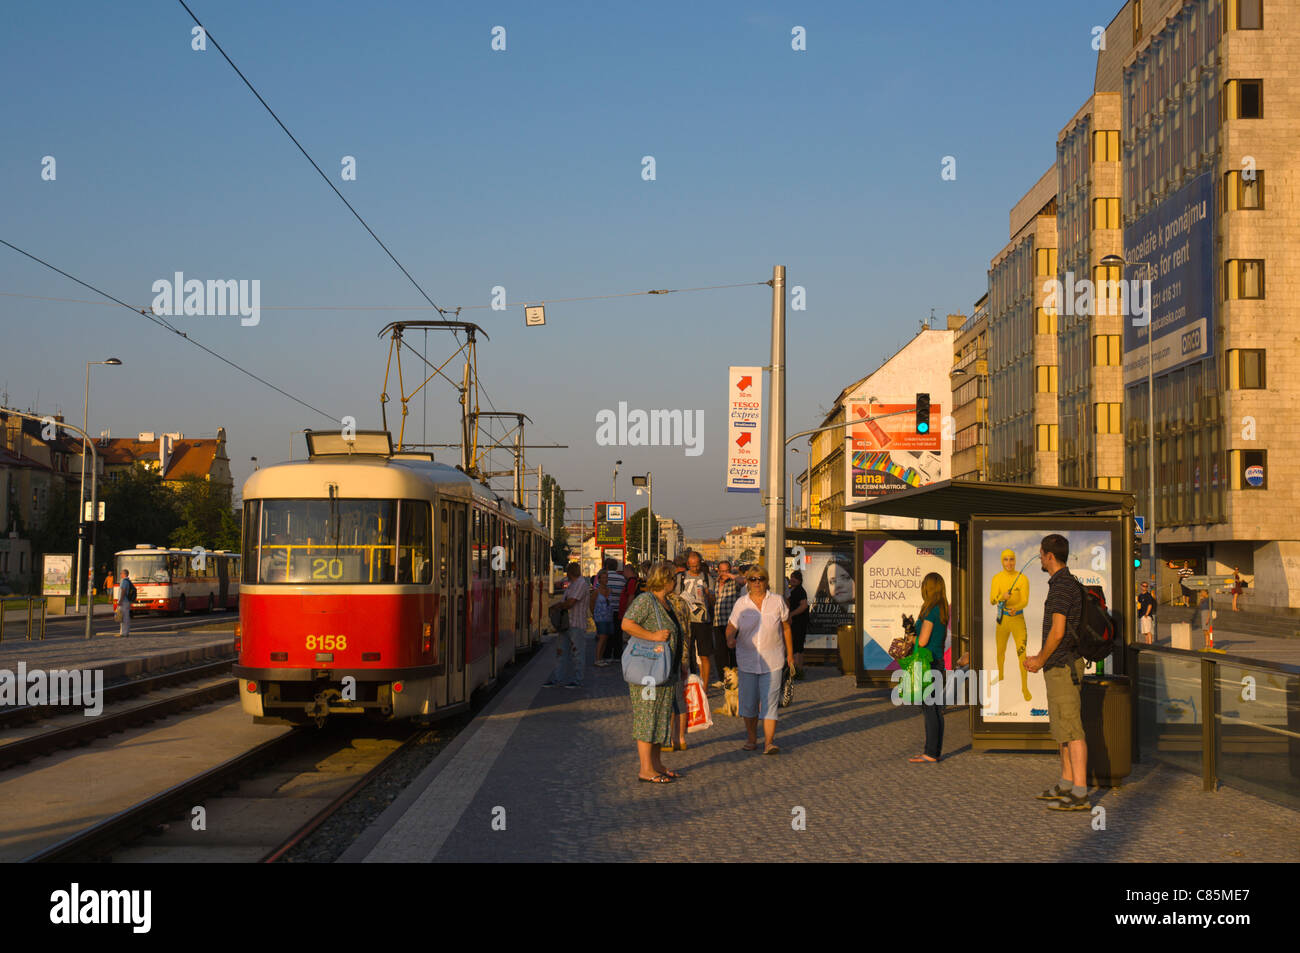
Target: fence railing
[
  {"x": 1233, "y": 720},
  {"x": 35, "y": 607}
]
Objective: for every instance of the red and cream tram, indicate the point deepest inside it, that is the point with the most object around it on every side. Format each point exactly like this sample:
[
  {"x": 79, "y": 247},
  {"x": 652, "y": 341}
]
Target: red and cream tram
[{"x": 380, "y": 583}]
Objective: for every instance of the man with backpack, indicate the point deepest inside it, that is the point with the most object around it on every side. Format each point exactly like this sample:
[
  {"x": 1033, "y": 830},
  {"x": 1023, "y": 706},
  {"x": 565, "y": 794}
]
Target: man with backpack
[
  {"x": 1062, "y": 668},
  {"x": 125, "y": 596}
]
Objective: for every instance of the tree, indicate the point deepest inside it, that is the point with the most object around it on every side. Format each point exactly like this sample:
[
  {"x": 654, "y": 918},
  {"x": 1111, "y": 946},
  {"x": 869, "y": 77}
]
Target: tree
[
  {"x": 553, "y": 519},
  {"x": 138, "y": 508},
  {"x": 747, "y": 557},
  {"x": 638, "y": 540},
  {"x": 204, "y": 516}
]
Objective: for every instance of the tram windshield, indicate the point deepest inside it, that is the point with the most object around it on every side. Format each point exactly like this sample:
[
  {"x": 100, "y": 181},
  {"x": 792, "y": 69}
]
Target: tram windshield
[{"x": 341, "y": 541}]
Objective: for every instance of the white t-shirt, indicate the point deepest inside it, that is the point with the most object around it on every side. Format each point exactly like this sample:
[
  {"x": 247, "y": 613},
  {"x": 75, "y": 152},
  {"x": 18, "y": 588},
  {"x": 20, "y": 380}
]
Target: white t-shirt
[
  {"x": 760, "y": 635},
  {"x": 579, "y": 591}
]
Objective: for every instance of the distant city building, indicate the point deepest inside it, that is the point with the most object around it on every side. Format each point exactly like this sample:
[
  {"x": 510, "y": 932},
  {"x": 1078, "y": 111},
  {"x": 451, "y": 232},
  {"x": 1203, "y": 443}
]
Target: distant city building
[
  {"x": 172, "y": 455},
  {"x": 1023, "y": 431},
  {"x": 970, "y": 395}
]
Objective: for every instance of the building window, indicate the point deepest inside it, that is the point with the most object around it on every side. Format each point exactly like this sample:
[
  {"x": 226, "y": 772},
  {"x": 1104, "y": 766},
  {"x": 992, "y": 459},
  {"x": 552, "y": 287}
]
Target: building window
[
  {"x": 1044, "y": 321},
  {"x": 1045, "y": 262},
  {"x": 1105, "y": 145},
  {"x": 1244, "y": 98},
  {"x": 1105, "y": 213},
  {"x": 1250, "y": 14},
  {"x": 1249, "y": 189},
  {"x": 1046, "y": 378},
  {"x": 1243, "y": 278},
  {"x": 1047, "y": 437},
  {"x": 1246, "y": 369},
  {"x": 1109, "y": 295},
  {"x": 1109, "y": 418},
  {"x": 1110, "y": 483},
  {"x": 1107, "y": 350},
  {"x": 1137, "y": 22},
  {"x": 1248, "y": 469}
]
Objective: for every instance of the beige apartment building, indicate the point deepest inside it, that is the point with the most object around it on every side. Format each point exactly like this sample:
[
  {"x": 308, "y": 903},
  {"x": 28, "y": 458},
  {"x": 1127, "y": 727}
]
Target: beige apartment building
[
  {"x": 970, "y": 395},
  {"x": 1023, "y": 418},
  {"x": 1210, "y": 139},
  {"x": 1089, "y": 381}
]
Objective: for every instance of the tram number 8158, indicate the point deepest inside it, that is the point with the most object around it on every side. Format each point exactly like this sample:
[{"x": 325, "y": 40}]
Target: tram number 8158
[{"x": 327, "y": 643}]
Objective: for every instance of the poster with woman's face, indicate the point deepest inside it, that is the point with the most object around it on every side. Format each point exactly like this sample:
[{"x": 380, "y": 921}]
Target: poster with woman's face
[
  {"x": 828, "y": 580},
  {"x": 1010, "y": 592}
]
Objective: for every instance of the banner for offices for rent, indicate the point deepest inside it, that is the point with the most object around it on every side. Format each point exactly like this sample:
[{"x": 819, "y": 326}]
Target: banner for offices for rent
[
  {"x": 744, "y": 428},
  {"x": 1177, "y": 239}
]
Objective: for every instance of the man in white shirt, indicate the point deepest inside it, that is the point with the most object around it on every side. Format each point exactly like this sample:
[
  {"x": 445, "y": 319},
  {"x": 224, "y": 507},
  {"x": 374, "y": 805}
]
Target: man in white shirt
[{"x": 571, "y": 644}]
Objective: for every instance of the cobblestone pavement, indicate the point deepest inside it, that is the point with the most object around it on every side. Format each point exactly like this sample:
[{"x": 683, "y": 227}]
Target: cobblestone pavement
[{"x": 562, "y": 765}]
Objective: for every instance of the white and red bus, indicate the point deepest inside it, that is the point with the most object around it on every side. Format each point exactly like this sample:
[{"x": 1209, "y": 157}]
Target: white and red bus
[{"x": 176, "y": 580}]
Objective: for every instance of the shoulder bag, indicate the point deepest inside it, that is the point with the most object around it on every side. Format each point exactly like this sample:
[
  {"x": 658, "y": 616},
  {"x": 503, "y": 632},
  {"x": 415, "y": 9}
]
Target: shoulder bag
[{"x": 646, "y": 662}]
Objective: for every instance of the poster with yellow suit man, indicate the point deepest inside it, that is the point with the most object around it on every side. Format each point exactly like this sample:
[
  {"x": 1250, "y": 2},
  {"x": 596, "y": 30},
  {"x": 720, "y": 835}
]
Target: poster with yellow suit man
[{"x": 1009, "y": 591}]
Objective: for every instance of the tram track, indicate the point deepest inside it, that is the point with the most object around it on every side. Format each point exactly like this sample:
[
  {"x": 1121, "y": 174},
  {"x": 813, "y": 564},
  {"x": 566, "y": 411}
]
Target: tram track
[
  {"x": 253, "y": 803},
  {"x": 113, "y": 694}
]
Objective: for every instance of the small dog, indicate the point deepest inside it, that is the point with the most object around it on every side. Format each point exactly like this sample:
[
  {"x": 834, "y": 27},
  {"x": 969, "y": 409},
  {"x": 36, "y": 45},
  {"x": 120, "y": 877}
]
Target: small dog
[
  {"x": 730, "y": 694},
  {"x": 900, "y": 648}
]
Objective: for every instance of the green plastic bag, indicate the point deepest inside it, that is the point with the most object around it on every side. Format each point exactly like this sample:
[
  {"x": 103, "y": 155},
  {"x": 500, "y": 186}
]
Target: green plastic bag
[{"x": 914, "y": 666}]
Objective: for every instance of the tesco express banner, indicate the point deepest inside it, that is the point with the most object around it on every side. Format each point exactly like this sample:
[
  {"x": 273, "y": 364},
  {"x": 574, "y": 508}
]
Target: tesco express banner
[{"x": 744, "y": 428}]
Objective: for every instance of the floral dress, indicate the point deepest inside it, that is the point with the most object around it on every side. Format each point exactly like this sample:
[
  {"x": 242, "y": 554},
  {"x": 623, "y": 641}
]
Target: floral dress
[{"x": 652, "y": 717}]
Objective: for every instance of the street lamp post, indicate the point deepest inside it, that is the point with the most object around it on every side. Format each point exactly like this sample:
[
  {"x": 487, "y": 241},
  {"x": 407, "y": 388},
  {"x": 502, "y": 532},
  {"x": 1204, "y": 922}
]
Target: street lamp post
[
  {"x": 1111, "y": 261},
  {"x": 639, "y": 482},
  {"x": 81, "y": 498}
]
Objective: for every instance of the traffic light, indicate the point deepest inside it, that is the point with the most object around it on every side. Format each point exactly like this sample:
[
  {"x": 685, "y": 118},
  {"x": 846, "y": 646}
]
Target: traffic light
[
  {"x": 1137, "y": 550},
  {"x": 922, "y": 413}
]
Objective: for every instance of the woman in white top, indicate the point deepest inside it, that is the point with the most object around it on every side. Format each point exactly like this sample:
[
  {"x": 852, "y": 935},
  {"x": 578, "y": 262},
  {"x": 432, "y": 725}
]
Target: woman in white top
[{"x": 759, "y": 631}]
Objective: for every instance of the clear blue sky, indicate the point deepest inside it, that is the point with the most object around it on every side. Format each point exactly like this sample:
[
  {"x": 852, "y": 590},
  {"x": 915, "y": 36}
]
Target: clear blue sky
[{"x": 522, "y": 169}]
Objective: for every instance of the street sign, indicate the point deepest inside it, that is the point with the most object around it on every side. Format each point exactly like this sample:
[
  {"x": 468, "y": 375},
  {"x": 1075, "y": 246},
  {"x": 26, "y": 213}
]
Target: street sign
[
  {"x": 534, "y": 315},
  {"x": 1207, "y": 582},
  {"x": 1141, "y": 523},
  {"x": 611, "y": 526},
  {"x": 86, "y": 517}
]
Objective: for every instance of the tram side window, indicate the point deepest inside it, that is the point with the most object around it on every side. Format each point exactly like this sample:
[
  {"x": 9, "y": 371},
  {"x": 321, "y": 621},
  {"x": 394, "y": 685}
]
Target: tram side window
[
  {"x": 415, "y": 544},
  {"x": 252, "y": 517}
]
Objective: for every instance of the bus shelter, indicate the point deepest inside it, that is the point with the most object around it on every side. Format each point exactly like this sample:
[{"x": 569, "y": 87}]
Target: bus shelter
[{"x": 996, "y": 587}]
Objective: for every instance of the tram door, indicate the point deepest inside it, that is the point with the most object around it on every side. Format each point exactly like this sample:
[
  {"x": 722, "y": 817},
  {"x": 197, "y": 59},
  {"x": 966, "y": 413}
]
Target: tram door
[{"x": 452, "y": 523}]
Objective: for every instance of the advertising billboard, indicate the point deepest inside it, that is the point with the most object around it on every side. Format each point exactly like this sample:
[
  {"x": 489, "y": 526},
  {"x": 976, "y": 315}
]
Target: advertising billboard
[
  {"x": 890, "y": 569},
  {"x": 56, "y": 574},
  {"x": 611, "y": 526},
  {"x": 744, "y": 428},
  {"x": 828, "y": 579},
  {"x": 1177, "y": 239},
  {"x": 887, "y": 454},
  {"x": 1010, "y": 586}
]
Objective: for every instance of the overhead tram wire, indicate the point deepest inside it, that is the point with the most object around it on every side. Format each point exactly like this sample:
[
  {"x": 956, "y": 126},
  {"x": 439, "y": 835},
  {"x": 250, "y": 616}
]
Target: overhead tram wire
[
  {"x": 211, "y": 39},
  {"x": 156, "y": 319}
]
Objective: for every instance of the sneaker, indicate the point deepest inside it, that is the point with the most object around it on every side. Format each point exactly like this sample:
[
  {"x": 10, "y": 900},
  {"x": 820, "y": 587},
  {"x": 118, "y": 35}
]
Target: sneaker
[
  {"x": 1054, "y": 793},
  {"x": 550, "y": 683},
  {"x": 573, "y": 685},
  {"x": 1071, "y": 803}
]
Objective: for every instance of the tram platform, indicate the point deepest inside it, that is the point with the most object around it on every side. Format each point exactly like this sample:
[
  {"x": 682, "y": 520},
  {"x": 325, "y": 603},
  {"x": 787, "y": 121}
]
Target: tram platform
[
  {"x": 154, "y": 645},
  {"x": 547, "y": 775}
]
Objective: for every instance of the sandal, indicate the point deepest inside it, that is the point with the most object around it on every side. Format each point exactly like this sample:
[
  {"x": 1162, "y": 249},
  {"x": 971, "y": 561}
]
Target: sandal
[
  {"x": 749, "y": 747},
  {"x": 775, "y": 749},
  {"x": 923, "y": 759},
  {"x": 657, "y": 779},
  {"x": 672, "y": 775}
]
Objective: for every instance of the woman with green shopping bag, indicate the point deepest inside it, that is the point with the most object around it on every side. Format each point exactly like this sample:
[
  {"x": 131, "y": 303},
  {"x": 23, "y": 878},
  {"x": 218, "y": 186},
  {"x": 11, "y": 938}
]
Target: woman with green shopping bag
[{"x": 931, "y": 631}]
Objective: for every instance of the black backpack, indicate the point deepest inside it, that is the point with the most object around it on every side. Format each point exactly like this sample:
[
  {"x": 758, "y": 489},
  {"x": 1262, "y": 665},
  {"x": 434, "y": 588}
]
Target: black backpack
[{"x": 1096, "y": 637}]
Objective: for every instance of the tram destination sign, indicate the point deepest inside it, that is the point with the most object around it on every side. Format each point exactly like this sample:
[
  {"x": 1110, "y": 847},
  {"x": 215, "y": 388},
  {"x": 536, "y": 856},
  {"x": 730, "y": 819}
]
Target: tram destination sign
[{"x": 611, "y": 526}]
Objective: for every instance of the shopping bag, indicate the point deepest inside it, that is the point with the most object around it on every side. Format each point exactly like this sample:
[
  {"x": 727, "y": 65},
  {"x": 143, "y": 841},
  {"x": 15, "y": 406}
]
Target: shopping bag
[
  {"x": 912, "y": 684},
  {"x": 697, "y": 705},
  {"x": 117, "y": 615}
]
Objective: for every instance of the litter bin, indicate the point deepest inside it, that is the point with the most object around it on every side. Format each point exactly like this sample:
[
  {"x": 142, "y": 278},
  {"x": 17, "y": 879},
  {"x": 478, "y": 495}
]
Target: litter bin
[
  {"x": 1106, "y": 703},
  {"x": 846, "y": 644}
]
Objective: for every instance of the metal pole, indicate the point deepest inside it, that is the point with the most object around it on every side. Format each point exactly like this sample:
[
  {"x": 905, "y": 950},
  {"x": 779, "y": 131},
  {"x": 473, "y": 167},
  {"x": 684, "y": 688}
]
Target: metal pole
[
  {"x": 776, "y": 438},
  {"x": 1151, "y": 442},
  {"x": 539, "y": 494},
  {"x": 651, "y": 544},
  {"x": 81, "y": 499},
  {"x": 94, "y": 523}
]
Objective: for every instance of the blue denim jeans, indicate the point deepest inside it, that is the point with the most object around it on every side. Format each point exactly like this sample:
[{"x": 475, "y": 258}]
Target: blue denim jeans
[{"x": 572, "y": 646}]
